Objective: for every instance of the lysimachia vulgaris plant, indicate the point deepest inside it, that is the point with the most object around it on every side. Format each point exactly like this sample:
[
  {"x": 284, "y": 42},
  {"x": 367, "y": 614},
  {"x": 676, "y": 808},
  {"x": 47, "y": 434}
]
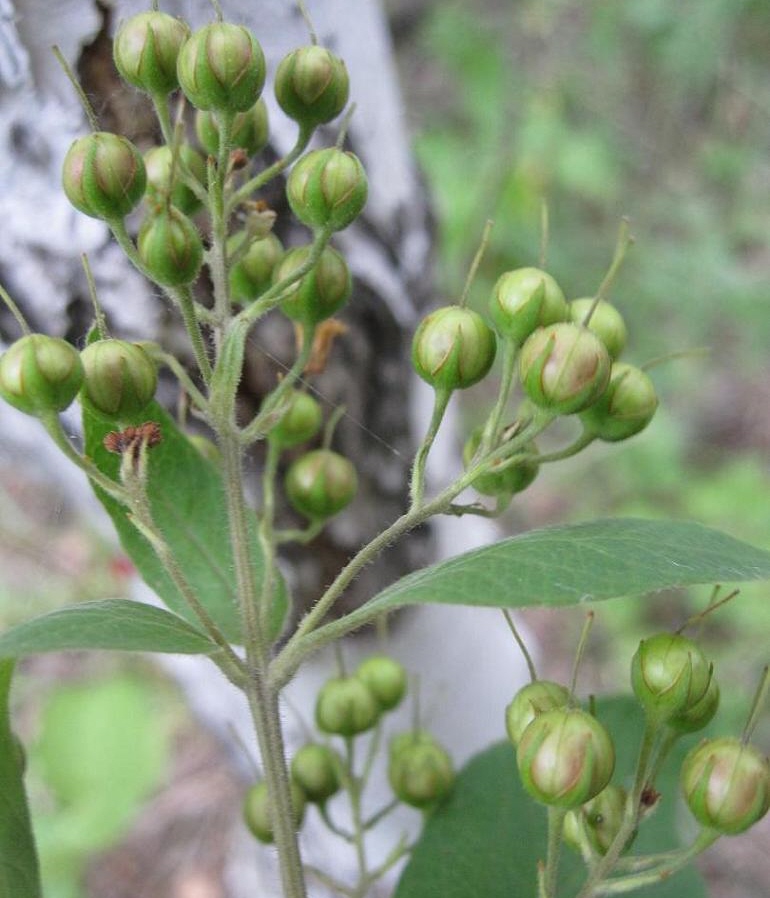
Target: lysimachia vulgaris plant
[{"x": 204, "y": 222}]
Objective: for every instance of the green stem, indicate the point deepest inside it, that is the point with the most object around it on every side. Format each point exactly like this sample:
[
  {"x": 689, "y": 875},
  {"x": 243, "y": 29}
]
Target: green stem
[
  {"x": 253, "y": 184},
  {"x": 15, "y": 311},
  {"x": 267, "y": 531},
  {"x": 354, "y": 788},
  {"x": 631, "y": 820},
  {"x": 143, "y": 520},
  {"x": 263, "y": 703},
  {"x": 630, "y": 883},
  {"x": 305, "y": 640},
  {"x": 555, "y": 830},
  {"x": 53, "y": 426},
  {"x": 160, "y": 105},
  {"x": 184, "y": 379},
  {"x": 302, "y": 537},
  {"x": 510, "y": 352},
  {"x": 417, "y": 487},
  {"x": 217, "y": 256},
  {"x": 262, "y": 422},
  {"x": 186, "y": 305}
]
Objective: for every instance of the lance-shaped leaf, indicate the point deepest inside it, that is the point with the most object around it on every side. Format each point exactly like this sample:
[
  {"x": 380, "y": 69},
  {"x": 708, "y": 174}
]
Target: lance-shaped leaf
[
  {"x": 19, "y": 875},
  {"x": 117, "y": 624},
  {"x": 578, "y": 563}
]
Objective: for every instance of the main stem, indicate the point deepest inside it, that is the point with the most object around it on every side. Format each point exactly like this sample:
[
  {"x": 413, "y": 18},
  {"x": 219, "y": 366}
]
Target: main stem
[{"x": 262, "y": 697}]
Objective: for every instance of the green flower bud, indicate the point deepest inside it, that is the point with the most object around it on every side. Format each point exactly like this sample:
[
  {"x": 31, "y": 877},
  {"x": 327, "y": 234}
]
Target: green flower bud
[
  {"x": 565, "y": 757},
  {"x": 327, "y": 188},
  {"x": 103, "y": 175},
  {"x": 300, "y": 422},
  {"x": 530, "y": 701},
  {"x": 597, "y": 822},
  {"x": 250, "y": 130},
  {"x": 501, "y": 478},
  {"x": 146, "y": 48},
  {"x": 564, "y": 368},
  {"x": 158, "y": 163},
  {"x": 523, "y": 300},
  {"x": 669, "y": 675},
  {"x": 252, "y": 274},
  {"x": 726, "y": 785},
  {"x": 222, "y": 67},
  {"x": 320, "y": 484},
  {"x": 311, "y": 85},
  {"x": 318, "y": 294},
  {"x": 386, "y": 679},
  {"x": 625, "y": 408},
  {"x": 453, "y": 348},
  {"x": 258, "y": 810},
  {"x": 699, "y": 715},
  {"x": 346, "y": 706},
  {"x": 606, "y": 322},
  {"x": 421, "y": 773},
  {"x": 316, "y": 770},
  {"x": 40, "y": 374},
  {"x": 120, "y": 378},
  {"x": 170, "y": 247}
]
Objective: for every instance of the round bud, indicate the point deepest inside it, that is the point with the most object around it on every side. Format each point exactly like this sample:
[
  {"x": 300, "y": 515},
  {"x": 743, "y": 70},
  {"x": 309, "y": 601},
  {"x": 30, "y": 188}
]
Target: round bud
[
  {"x": 120, "y": 378},
  {"x": 523, "y": 300},
  {"x": 565, "y": 757},
  {"x": 318, "y": 294},
  {"x": 249, "y": 133},
  {"x": 625, "y": 408},
  {"x": 222, "y": 67},
  {"x": 421, "y": 773},
  {"x": 327, "y": 188},
  {"x": 316, "y": 770},
  {"x": 312, "y": 85},
  {"x": 258, "y": 810},
  {"x": 606, "y": 322},
  {"x": 252, "y": 274},
  {"x": 531, "y": 700},
  {"x": 453, "y": 348},
  {"x": 386, "y": 679},
  {"x": 726, "y": 784},
  {"x": 501, "y": 478},
  {"x": 669, "y": 675},
  {"x": 597, "y": 822},
  {"x": 699, "y": 715},
  {"x": 320, "y": 484},
  {"x": 40, "y": 374},
  {"x": 146, "y": 48},
  {"x": 159, "y": 165},
  {"x": 170, "y": 247},
  {"x": 103, "y": 175},
  {"x": 346, "y": 706},
  {"x": 564, "y": 368},
  {"x": 300, "y": 422}
]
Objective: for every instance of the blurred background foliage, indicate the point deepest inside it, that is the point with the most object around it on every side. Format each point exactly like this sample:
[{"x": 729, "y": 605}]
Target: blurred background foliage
[{"x": 660, "y": 112}]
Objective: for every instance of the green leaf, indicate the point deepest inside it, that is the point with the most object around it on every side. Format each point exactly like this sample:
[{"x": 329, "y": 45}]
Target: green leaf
[
  {"x": 117, "y": 624},
  {"x": 579, "y": 563},
  {"x": 489, "y": 835},
  {"x": 189, "y": 508},
  {"x": 19, "y": 876}
]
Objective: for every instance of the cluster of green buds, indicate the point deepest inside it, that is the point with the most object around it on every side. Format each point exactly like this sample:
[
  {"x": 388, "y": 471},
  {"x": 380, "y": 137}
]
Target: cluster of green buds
[
  {"x": 566, "y": 357},
  {"x": 353, "y": 704},
  {"x": 42, "y": 375}
]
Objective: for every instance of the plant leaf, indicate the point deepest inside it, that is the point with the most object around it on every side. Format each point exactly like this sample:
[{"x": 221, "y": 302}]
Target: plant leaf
[
  {"x": 487, "y": 838},
  {"x": 189, "y": 508},
  {"x": 578, "y": 563},
  {"x": 19, "y": 874},
  {"x": 117, "y": 624}
]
